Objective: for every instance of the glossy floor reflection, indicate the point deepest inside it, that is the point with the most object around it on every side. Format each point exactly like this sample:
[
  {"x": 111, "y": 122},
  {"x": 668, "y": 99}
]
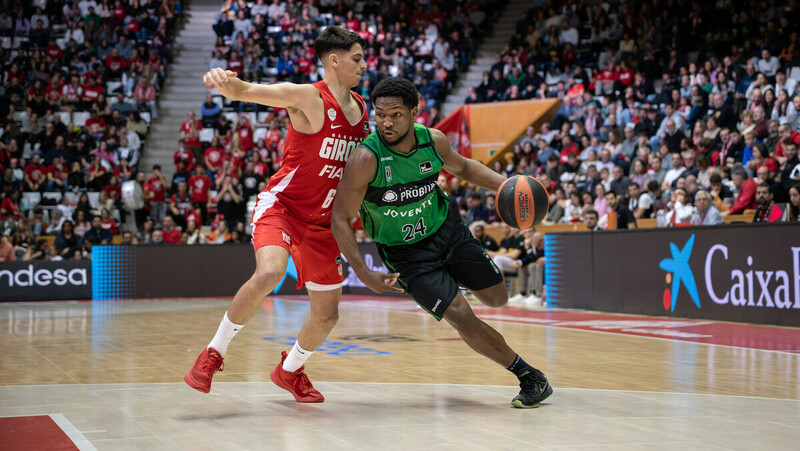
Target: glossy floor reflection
[{"x": 109, "y": 374}]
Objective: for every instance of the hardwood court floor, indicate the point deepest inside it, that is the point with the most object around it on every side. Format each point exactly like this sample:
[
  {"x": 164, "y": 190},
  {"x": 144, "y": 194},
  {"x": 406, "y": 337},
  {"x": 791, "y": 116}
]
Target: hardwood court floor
[{"x": 109, "y": 375}]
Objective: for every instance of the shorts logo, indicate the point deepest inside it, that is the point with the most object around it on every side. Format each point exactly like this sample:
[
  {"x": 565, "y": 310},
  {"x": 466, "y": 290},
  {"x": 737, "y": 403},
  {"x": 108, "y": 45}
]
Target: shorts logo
[
  {"x": 388, "y": 170},
  {"x": 286, "y": 238},
  {"x": 331, "y": 114},
  {"x": 425, "y": 167},
  {"x": 389, "y": 196},
  {"x": 366, "y": 127},
  {"x": 438, "y": 301}
]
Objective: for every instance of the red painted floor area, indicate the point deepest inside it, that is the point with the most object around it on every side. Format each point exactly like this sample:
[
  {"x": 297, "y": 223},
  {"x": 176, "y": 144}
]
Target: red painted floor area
[
  {"x": 768, "y": 338},
  {"x": 33, "y": 433}
]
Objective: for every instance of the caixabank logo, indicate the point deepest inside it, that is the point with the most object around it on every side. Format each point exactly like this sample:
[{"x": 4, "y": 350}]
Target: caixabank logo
[
  {"x": 731, "y": 276},
  {"x": 679, "y": 273}
]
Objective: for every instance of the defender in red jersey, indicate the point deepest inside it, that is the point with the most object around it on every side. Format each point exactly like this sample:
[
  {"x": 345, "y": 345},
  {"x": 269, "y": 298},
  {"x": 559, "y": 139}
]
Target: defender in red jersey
[{"x": 292, "y": 215}]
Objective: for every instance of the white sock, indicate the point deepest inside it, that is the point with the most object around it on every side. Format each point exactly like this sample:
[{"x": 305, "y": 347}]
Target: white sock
[
  {"x": 224, "y": 335},
  {"x": 297, "y": 357}
]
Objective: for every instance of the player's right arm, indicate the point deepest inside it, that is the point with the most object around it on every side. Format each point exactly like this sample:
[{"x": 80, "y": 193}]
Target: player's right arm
[
  {"x": 283, "y": 95},
  {"x": 352, "y": 188}
]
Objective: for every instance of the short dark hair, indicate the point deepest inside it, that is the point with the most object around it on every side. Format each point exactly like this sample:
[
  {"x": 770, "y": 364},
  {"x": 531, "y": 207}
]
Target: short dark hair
[
  {"x": 765, "y": 185},
  {"x": 591, "y": 211},
  {"x": 336, "y": 38},
  {"x": 714, "y": 178},
  {"x": 397, "y": 87},
  {"x": 652, "y": 185}
]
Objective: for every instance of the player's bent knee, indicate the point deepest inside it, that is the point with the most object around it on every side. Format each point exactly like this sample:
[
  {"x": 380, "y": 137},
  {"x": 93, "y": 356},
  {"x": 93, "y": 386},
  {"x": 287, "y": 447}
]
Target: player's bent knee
[{"x": 266, "y": 279}]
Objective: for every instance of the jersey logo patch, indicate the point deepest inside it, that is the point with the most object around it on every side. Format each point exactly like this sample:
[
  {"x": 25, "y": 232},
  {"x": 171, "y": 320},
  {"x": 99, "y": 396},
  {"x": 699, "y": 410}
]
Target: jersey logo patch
[
  {"x": 366, "y": 127},
  {"x": 331, "y": 114},
  {"x": 425, "y": 167},
  {"x": 286, "y": 238},
  {"x": 389, "y": 196},
  {"x": 388, "y": 173}
]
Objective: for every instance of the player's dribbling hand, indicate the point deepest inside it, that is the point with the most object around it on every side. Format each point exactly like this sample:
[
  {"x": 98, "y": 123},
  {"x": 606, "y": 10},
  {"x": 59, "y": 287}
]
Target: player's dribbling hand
[
  {"x": 218, "y": 78},
  {"x": 380, "y": 282}
]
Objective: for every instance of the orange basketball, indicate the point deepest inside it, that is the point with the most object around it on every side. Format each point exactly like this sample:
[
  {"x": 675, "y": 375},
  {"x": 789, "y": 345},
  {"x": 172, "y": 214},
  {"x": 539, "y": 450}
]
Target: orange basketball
[{"x": 522, "y": 202}]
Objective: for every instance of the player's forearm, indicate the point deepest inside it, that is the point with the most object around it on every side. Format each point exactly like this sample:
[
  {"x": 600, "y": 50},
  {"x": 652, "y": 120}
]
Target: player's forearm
[
  {"x": 347, "y": 243},
  {"x": 479, "y": 174}
]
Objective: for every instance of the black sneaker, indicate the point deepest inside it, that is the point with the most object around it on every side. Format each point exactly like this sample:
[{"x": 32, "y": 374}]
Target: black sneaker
[{"x": 534, "y": 390}]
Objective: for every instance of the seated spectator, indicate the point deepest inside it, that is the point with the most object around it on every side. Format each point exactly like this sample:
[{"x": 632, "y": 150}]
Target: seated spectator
[
  {"x": 511, "y": 248},
  {"x": 171, "y": 232},
  {"x": 97, "y": 234},
  {"x": 530, "y": 270},
  {"x": 707, "y": 213},
  {"x": 792, "y": 213},
  {"x": 68, "y": 241},
  {"x": 145, "y": 97},
  {"x": 766, "y": 210},
  {"x": 591, "y": 219},
  {"x": 746, "y": 199},
  {"x": 618, "y": 217}
]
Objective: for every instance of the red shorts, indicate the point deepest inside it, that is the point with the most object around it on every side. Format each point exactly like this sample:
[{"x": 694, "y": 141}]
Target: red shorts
[{"x": 313, "y": 247}]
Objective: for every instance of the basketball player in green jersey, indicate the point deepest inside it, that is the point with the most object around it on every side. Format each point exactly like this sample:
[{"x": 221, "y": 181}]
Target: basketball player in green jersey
[{"x": 390, "y": 180}]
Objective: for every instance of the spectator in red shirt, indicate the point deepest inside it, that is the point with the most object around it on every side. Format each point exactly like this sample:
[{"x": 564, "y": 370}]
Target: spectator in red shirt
[
  {"x": 746, "y": 199},
  {"x": 145, "y": 95},
  {"x": 53, "y": 50},
  {"x": 155, "y": 189},
  {"x": 90, "y": 93},
  {"x": 190, "y": 133},
  {"x": 115, "y": 64},
  {"x": 108, "y": 223},
  {"x": 172, "y": 233},
  {"x": 52, "y": 93},
  {"x": 200, "y": 188},
  {"x": 786, "y": 134},
  {"x": 245, "y": 133},
  {"x": 235, "y": 63},
  {"x": 57, "y": 176},
  {"x": 185, "y": 155},
  {"x": 213, "y": 158},
  {"x": 72, "y": 93},
  {"x": 35, "y": 175},
  {"x": 9, "y": 207}
]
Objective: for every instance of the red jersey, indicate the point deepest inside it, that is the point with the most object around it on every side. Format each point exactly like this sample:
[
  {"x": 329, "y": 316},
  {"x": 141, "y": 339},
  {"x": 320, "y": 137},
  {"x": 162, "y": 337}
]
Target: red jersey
[
  {"x": 156, "y": 186},
  {"x": 199, "y": 186},
  {"x": 214, "y": 157},
  {"x": 306, "y": 182},
  {"x": 37, "y": 173},
  {"x": 186, "y": 127}
]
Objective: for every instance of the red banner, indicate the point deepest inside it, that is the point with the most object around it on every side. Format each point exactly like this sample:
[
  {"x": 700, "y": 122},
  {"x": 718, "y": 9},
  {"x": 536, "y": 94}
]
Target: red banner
[{"x": 456, "y": 128}]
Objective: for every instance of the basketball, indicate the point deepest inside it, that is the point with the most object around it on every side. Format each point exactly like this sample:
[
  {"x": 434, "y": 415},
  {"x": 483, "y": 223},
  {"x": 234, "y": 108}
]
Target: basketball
[{"x": 522, "y": 201}]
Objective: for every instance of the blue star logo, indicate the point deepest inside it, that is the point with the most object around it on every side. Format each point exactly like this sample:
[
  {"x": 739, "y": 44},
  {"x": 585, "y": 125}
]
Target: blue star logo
[
  {"x": 678, "y": 266},
  {"x": 291, "y": 270}
]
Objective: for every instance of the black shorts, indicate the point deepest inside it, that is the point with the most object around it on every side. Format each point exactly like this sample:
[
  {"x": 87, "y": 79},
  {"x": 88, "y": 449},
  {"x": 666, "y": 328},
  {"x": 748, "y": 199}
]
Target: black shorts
[{"x": 432, "y": 269}]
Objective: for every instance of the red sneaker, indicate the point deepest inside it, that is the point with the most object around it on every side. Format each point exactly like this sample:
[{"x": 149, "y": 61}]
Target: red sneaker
[
  {"x": 296, "y": 383},
  {"x": 208, "y": 363}
]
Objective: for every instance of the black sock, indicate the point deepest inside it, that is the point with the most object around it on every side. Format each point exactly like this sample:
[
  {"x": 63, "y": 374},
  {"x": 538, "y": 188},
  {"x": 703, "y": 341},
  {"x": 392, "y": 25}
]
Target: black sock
[{"x": 520, "y": 368}]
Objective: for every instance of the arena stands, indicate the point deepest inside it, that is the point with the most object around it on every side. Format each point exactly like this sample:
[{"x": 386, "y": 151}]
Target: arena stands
[
  {"x": 661, "y": 102},
  {"x": 80, "y": 82}
]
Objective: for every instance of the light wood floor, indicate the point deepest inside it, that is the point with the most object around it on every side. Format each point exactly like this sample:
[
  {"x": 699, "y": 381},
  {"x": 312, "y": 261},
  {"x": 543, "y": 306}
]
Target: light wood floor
[{"x": 117, "y": 367}]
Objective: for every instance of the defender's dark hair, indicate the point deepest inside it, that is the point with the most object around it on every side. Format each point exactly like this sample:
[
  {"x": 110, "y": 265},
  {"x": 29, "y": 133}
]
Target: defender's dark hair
[
  {"x": 397, "y": 87},
  {"x": 336, "y": 38}
]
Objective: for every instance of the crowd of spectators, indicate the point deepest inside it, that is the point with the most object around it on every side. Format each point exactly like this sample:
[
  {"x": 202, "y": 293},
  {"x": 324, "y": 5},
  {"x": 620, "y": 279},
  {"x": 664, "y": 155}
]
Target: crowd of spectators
[
  {"x": 680, "y": 110},
  {"x": 227, "y": 154},
  {"x": 80, "y": 81}
]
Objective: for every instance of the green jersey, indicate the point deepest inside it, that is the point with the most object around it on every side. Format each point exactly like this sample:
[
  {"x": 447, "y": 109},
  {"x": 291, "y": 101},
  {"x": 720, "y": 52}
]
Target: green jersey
[{"x": 403, "y": 204}]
